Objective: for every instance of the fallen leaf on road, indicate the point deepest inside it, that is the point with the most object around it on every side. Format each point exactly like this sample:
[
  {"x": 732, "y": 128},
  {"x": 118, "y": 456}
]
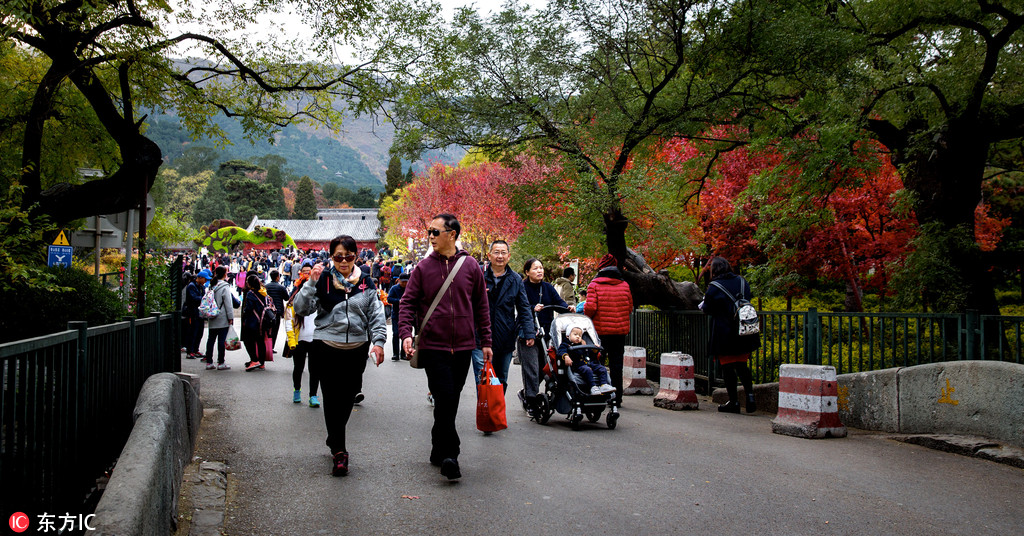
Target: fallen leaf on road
[{"x": 410, "y": 497}]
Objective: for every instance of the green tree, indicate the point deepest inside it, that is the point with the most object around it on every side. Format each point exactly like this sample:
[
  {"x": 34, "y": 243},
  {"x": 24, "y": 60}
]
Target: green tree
[
  {"x": 596, "y": 83},
  {"x": 305, "y": 200},
  {"x": 110, "y": 60},
  {"x": 196, "y": 159},
  {"x": 213, "y": 204},
  {"x": 364, "y": 198},
  {"x": 936, "y": 81},
  {"x": 394, "y": 178},
  {"x": 330, "y": 191},
  {"x": 184, "y": 192}
]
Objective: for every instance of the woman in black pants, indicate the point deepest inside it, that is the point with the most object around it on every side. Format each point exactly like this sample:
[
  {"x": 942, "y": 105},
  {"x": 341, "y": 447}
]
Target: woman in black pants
[
  {"x": 303, "y": 327},
  {"x": 349, "y": 324},
  {"x": 726, "y": 345},
  {"x": 254, "y": 326}
]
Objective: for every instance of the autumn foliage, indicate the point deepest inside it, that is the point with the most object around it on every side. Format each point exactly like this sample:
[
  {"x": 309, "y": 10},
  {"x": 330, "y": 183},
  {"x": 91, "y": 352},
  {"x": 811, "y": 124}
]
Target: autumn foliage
[{"x": 475, "y": 194}]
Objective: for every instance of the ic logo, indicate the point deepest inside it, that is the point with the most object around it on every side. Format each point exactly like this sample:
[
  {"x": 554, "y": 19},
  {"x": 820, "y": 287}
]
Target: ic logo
[{"x": 19, "y": 522}]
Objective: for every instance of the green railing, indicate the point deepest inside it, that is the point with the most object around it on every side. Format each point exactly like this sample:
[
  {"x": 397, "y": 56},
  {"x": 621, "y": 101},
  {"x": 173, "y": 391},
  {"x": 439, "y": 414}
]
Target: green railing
[
  {"x": 66, "y": 408},
  {"x": 851, "y": 342}
]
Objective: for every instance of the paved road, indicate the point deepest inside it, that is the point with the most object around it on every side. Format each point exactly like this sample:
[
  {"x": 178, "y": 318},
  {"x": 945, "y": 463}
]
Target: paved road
[{"x": 659, "y": 472}]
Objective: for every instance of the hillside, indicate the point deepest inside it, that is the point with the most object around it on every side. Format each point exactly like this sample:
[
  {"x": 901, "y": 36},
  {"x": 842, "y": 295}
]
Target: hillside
[{"x": 356, "y": 156}]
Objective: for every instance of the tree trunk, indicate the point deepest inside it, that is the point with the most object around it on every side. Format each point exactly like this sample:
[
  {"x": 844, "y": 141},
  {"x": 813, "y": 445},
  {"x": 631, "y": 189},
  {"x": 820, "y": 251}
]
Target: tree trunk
[
  {"x": 947, "y": 182},
  {"x": 946, "y": 177},
  {"x": 648, "y": 287},
  {"x": 116, "y": 193}
]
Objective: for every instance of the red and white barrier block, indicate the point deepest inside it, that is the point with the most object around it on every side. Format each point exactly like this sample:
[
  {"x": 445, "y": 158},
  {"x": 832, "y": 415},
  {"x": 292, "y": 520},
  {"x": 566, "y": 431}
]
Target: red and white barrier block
[
  {"x": 634, "y": 372},
  {"x": 677, "y": 390},
  {"x": 808, "y": 402}
]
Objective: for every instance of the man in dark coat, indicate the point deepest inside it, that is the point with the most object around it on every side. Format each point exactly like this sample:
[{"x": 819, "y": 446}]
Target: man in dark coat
[
  {"x": 448, "y": 337},
  {"x": 510, "y": 312}
]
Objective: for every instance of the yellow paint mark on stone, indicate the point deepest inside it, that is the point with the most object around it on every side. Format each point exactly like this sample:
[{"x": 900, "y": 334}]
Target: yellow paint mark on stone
[
  {"x": 947, "y": 395},
  {"x": 843, "y": 401}
]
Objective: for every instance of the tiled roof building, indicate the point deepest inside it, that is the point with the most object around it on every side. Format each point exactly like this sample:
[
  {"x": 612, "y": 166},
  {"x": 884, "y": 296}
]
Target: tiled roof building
[{"x": 361, "y": 224}]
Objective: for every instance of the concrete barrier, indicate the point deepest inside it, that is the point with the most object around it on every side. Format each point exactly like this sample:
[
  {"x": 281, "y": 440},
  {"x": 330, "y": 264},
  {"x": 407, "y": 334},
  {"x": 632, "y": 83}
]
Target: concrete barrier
[
  {"x": 870, "y": 400},
  {"x": 634, "y": 372},
  {"x": 808, "y": 402},
  {"x": 677, "y": 389},
  {"x": 142, "y": 495},
  {"x": 984, "y": 398}
]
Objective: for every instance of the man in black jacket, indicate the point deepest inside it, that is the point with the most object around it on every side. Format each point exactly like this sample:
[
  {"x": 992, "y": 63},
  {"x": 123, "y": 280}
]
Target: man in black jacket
[
  {"x": 279, "y": 295},
  {"x": 510, "y": 312}
]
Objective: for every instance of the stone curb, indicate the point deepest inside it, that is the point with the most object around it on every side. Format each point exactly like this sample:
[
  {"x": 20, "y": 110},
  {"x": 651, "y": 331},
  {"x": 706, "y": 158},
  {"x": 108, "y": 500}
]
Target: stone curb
[
  {"x": 142, "y": 495},
  {"x": 975, "y": 447}
]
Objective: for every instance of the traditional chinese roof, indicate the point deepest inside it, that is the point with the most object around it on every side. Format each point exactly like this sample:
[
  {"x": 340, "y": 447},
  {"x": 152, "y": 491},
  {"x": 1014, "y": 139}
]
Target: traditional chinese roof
[{"x": 362, "y": 229}]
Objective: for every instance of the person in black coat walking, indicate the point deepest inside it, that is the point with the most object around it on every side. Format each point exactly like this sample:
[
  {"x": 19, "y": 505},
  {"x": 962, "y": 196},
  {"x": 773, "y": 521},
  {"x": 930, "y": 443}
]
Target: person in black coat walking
[
  {"x": 279, "y": 295},
  {"x": 726, "y": 345}
]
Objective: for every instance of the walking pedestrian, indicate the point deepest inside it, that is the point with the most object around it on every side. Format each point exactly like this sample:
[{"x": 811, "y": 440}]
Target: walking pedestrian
[
  {"x": 726, "y": 345},
  {"x": 254, "y": 323},
  {"x": 395, "y": 299},
  {"x": 279, "y": 295},
  {"x": 349, "y": 318},
  {"x": 445, "y": 343},
  {"x": 609, "y": 304},
  {"x": 510, "y": 312},
  {"x": 190, "y": 312},
  {"x": 565, "y": 287},
  {"x": 302, "y": 327},
  {"x": 539, "y": 293},
  {"x": 220, "y": 324}
]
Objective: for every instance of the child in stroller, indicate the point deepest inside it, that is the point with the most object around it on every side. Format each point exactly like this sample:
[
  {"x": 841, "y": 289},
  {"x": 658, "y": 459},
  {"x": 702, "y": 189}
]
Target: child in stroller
[
  {"x": 585, "y": 362},
  {"x": 564, "y": 389}
]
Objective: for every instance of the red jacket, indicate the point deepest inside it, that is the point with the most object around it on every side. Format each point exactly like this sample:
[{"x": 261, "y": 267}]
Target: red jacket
[
  {"x": 609, "y": 303},
  {"x": 461, "y": 314}
]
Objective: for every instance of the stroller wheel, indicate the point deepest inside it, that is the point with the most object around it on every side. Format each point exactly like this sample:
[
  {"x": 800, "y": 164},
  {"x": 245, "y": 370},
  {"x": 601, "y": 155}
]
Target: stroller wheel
[
  {"x": 593, "y": 416},
  {"x": 544, "y": 409},
  {"x": 576, "y": 420},
  {"x": 612, "y": 420}
]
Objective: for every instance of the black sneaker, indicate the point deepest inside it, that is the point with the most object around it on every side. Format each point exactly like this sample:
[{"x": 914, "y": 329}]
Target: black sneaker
[
  {"x": 450, "y": 469},
  {"x": 340, "y": 464},
  {"x": 359, "y": 398},
  {"x": 751, "y": 405},
  {"x": 730, "y": 407}
]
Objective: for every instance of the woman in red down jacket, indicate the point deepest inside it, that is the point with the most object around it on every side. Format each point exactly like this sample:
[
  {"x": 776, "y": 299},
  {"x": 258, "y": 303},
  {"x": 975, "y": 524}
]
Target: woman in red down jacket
[{"x": 609, "y": 303}]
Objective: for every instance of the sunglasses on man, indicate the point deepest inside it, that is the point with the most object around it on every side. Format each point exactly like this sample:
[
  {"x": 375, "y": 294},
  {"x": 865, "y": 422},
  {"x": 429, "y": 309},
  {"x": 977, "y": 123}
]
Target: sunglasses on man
[{"x": 436, "y": 232}]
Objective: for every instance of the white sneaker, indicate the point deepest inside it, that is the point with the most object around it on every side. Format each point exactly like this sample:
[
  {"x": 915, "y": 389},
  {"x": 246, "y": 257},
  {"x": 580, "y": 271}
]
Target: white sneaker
[
  {"x": 607, "y": 388},
  {"x": 595, "y": 390}
]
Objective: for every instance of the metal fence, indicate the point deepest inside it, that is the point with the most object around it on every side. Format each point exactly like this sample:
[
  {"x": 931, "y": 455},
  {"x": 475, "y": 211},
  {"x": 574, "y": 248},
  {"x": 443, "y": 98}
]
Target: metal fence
[
  {"x": 66, "y": 407},
  {"x": 850, "y": 342}
]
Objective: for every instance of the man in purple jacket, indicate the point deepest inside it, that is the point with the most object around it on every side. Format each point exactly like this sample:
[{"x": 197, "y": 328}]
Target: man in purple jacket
[{"x": 447, "y": 341}]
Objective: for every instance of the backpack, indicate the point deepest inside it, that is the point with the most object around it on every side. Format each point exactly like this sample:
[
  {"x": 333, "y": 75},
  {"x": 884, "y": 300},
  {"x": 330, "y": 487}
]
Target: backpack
[
  {"x": 208, "y": 305},
  {"x": 745, "y": 313},
  {"x": 269, "y": 311}
]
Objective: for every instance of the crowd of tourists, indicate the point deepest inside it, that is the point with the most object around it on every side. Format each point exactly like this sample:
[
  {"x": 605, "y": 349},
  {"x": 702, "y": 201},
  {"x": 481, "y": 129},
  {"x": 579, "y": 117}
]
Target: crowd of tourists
[{"x": 447, "y": 312}]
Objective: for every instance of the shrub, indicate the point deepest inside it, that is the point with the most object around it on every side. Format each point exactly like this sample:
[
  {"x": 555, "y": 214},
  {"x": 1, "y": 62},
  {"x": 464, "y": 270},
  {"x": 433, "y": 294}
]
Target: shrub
[{"x": 39, "y": 309}]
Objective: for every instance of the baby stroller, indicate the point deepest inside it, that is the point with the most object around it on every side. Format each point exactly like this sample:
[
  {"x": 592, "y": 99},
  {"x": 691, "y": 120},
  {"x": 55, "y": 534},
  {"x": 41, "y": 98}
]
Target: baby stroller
[{"x": 563, "y": 390}]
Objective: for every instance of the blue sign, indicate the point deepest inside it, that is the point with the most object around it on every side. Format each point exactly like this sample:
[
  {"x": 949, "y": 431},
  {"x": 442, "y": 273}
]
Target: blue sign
[{"x": 59, "y": 256}]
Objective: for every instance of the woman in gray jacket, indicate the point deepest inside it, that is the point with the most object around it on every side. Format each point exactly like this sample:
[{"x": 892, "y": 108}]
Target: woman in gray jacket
[
  {"x": 349, "y": 318},
  {"x": 219, "y": 324}
]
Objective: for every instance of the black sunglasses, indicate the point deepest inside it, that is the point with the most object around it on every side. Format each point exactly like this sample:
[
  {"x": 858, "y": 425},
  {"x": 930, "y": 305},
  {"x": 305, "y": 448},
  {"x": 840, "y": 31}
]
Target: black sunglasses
[
  {"x": 435, "y": 232},
  {"x": 338, "y": 257}
]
